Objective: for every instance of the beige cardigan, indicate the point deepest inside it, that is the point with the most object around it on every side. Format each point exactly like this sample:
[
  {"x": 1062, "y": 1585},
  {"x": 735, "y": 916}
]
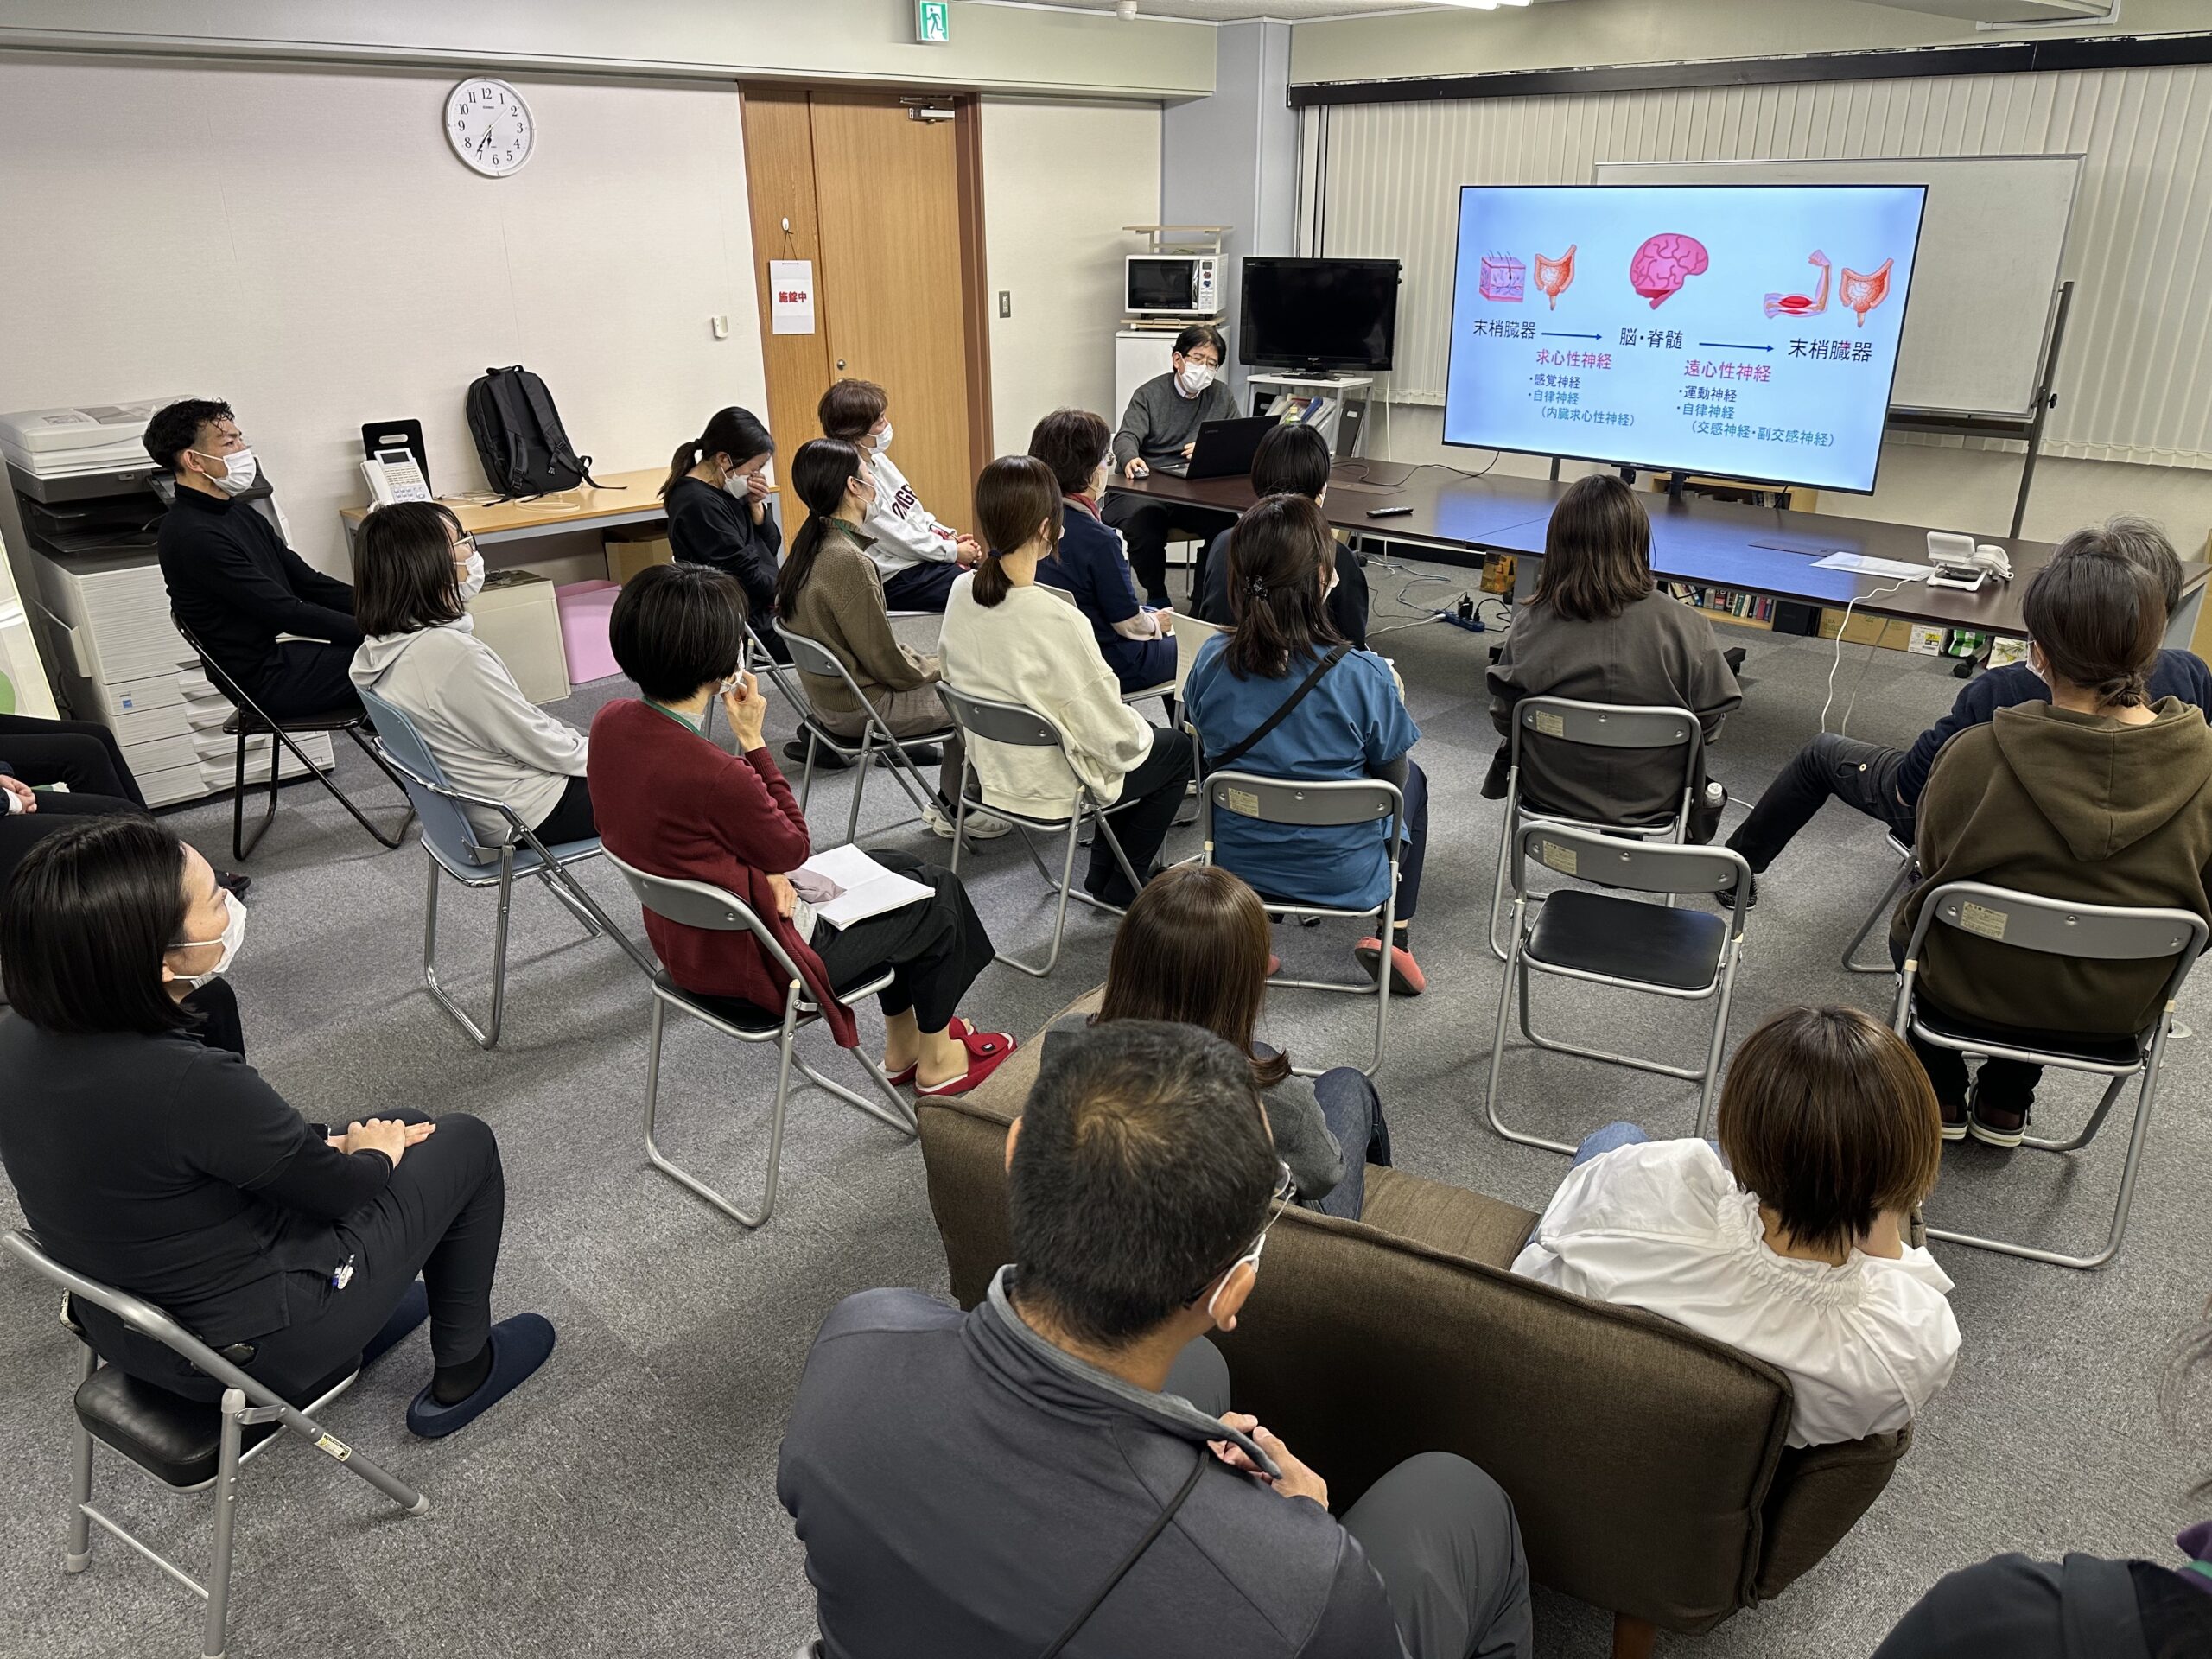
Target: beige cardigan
[{"x": 841, "y": 607}]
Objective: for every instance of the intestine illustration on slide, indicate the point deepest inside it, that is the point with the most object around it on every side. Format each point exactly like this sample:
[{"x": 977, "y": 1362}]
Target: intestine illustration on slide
[
  {"x": 1801, "y": 305},
  {"x": 1863, "y": 294},
  {"x": 1555, "y": 277},
  {"x": 1664, "y": 262}
]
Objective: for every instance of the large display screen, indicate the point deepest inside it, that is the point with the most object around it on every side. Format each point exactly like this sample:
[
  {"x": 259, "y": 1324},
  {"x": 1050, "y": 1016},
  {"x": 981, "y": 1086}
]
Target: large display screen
[
  {"x": 1748, "y": 331},
  {"x": 1319, "y": 314}
]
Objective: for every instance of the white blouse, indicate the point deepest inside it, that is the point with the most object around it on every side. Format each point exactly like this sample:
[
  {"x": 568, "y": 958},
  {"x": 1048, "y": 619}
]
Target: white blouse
[{"x": 1663, "y": 1226}]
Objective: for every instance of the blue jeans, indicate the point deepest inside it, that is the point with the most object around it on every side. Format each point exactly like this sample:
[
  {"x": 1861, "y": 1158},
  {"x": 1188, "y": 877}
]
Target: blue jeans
[
  {"x": 1606, "y": 1140},
  {"x": 1353, "y": 1112}
]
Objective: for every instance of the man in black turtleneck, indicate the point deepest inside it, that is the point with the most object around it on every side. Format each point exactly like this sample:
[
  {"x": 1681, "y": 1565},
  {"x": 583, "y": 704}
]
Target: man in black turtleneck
[{"x": 233, "y": 581}]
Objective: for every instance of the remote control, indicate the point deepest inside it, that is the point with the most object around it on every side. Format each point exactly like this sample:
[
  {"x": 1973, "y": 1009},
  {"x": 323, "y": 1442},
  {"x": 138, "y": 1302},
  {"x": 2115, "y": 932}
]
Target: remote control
[{"x": 1390, "y": 513}]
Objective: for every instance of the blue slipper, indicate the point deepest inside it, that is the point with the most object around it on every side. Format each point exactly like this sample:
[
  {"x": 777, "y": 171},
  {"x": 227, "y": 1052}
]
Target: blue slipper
[
  {"x": 413, "y": 1308},
  {"x": 519, "y": 1346}
]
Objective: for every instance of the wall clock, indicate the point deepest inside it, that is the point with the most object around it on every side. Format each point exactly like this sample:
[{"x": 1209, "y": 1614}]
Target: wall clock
[{"x": 489, "y": 126}]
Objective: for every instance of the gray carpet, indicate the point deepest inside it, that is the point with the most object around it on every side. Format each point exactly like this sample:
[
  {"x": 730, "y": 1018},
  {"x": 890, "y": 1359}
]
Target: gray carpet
[{"x": 624, "y": 1503}]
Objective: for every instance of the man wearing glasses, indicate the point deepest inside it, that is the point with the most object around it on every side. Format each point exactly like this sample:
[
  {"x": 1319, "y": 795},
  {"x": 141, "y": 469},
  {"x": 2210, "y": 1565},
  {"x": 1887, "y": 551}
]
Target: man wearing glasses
[
  {"x": 1056, "y": 1470},
  {"x": 233, "y": 581},
  {"x": 1159, "y": 430}
]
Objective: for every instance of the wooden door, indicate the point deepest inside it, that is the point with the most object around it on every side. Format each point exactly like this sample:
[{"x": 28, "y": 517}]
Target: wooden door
[{"x": 889, "y": 208}]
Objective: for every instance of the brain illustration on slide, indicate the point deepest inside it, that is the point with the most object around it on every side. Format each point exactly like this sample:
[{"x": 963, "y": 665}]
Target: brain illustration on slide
[{"x": 1664, "y": 262}]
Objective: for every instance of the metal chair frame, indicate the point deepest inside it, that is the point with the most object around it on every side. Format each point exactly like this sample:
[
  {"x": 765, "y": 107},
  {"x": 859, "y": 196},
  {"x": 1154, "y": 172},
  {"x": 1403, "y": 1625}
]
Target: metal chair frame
[
  {"x": 2054, "y": 927},
  {"x": 432, "y": 795},
  {"x": 699, "y": 904},
  {"x": 1639, "y": 866},
  {"x": 1598, "y": 725},
  {"x": 1908, "y": 869},
  {"x": 249, "y": 719},
  {"x": 1013, "y": 724},
  {"x": 876, "y": 736},
  {"x": 1333, "y": 804},
  {"x": 245, "y": 1403}
]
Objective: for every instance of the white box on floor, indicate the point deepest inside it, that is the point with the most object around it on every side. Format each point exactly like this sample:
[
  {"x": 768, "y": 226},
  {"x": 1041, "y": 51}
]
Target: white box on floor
[{"x": 515, "y": 615}]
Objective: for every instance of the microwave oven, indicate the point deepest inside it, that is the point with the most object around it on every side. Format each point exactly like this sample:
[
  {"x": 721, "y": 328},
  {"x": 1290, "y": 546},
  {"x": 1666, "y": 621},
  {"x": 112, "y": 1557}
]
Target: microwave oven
[{"x": 1174, "y": 285}]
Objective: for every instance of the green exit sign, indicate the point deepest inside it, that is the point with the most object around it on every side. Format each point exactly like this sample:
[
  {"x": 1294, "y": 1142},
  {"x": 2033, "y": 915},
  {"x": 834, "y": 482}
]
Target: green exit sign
[{"x": 933, "y": 22}]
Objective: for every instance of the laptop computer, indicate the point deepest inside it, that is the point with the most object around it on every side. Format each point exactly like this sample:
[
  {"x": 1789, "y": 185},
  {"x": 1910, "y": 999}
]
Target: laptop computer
[{"x": 1224, "y": 449}]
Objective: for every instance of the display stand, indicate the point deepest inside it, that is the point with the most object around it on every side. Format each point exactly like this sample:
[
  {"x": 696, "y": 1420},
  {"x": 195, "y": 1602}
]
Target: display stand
[{"x": 1341, "y": 416}]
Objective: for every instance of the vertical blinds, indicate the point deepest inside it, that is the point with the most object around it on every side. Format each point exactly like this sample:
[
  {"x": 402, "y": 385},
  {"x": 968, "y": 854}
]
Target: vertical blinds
[{"x": 2135, "y": 377}]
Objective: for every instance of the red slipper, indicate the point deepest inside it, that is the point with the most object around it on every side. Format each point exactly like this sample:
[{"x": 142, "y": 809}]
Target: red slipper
[
  {"x": 981, "y": 1044},
  {"x": 1405, "y": 976},
  {"x": 1274, "y": 966},
  {"x": 980, "y": 1067}
]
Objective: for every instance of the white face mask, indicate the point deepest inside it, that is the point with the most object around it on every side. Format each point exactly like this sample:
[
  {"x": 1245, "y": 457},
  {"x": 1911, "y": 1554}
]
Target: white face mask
[
  {"x": 1251, "y": 1258},
  {"x": 472, "y": 575},
  {"x": 244, "y": 469},
  {"x": 882, "y": 440},
  {"x": 739, "y": 484},
  {"x": 233, "y": 934},
  {"x": 1195, "y": 377},
  {"x": 1330, "y": 586}
]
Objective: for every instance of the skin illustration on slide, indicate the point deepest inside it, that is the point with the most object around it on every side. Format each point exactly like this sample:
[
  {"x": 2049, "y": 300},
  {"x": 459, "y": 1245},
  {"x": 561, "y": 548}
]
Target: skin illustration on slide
[
  {"x": 1664, "y": 262},
  {"x": 1501, "y": 275},
  {"x": 1863, "y": 294},
  {"x": 1555, "y": 277},
  {"x": 1800, "y": 305}
]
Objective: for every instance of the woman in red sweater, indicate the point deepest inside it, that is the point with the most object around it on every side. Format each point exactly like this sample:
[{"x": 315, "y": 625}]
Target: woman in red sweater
[{"x": 674, "y": 803}]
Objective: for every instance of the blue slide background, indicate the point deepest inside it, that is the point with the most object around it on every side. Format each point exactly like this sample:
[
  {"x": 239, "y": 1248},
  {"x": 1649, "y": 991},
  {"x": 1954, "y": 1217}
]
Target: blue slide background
[{"x": 1704, "y": 381}]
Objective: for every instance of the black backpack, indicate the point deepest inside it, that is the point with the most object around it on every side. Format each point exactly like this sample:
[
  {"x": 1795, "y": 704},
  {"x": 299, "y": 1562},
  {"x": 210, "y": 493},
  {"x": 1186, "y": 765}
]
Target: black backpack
[{"x": 519, "y": 438}]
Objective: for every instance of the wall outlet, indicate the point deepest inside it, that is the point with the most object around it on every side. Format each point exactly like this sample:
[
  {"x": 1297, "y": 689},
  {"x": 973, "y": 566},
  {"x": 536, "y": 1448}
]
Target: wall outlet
[
  {"x": 1006, "y": 302},
  {"x": 720, "y": 327}
]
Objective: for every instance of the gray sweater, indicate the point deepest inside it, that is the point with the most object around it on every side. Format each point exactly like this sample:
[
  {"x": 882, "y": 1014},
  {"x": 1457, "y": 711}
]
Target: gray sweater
[
  {"x": 1161, "y": 420},
  {"x": 1302, "y": 1137}
]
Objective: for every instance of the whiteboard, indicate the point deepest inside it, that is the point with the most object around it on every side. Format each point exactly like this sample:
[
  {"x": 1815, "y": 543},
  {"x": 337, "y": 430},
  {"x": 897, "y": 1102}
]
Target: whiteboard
[{"x": 1991, "y": 242}]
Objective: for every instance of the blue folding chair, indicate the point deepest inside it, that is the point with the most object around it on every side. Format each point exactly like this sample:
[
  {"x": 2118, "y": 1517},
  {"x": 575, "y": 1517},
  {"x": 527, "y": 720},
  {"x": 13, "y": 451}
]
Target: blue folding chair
[{"x": 457, "y": 850}]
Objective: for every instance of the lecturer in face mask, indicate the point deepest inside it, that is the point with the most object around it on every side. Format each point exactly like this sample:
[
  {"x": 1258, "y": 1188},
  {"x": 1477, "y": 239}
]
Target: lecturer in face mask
[
  {"x": 1159, "y": 430},
  {"x": 147, "y": 1154}
]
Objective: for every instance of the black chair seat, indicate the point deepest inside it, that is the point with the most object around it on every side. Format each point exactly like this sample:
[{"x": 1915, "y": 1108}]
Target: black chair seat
[
  {"x": 2094, "y": 1050},
  {"x": 746, "y": 1016},
  {"x": 176, "y": 1440},
  {"x": 254, "y": 725},
  {"x": 1623, "y": 938}
]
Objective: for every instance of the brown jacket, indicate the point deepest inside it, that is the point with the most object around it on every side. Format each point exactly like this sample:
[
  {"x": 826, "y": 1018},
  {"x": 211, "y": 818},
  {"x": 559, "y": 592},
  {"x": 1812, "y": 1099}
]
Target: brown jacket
[
  {"x": 2065, "y": 806},
  {"x": 841, "y": 607}
]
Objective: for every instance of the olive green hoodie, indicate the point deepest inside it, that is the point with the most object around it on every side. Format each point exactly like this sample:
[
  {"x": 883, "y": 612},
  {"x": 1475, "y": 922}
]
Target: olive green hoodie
[{"x": 2071, "y": 806}]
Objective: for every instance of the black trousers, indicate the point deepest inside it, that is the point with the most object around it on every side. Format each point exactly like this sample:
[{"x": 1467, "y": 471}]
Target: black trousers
[
  {"x": 570, "y": 818},
  {"x": 1863, "y": 776},
  {"x": 309, "y": 679},
  {"x": 21, "y": 831},
  {"x": 1146, "y": 525},
  {"x": 921, "y": 586},
  {"x": 82, "y": 754},
  {"x": 1141, "y": 818},
  {"x": 2006, "y": 1085}
]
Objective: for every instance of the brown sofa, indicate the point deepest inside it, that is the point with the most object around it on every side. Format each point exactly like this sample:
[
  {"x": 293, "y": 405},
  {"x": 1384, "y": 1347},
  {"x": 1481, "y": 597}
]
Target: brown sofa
[{"x": 1647, "y": 1463}]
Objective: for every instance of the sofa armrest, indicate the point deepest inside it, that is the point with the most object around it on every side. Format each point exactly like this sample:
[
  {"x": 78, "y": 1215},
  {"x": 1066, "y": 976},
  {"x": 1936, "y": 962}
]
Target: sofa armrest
[{"x": 1818, "y": 1493}]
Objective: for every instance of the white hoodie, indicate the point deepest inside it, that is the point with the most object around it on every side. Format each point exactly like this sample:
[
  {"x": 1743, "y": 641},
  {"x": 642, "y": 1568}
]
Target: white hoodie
[
  {"x": 488, "y": 738},
  {"x": 907, "y": 532}
]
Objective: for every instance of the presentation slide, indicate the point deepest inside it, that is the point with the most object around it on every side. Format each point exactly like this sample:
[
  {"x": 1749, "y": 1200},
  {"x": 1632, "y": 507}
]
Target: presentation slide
[{"x": 1746, "y": 331}]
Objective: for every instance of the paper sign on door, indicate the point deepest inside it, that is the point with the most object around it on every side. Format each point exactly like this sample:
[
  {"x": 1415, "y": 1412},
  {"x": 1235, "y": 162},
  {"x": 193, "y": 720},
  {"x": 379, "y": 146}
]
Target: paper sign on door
[{"x": 790, "y": 296}]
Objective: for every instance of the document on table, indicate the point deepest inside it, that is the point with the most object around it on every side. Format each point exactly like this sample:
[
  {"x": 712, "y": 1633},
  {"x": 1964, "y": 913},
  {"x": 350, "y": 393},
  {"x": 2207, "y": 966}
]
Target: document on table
[
  {"x": 869, "y": 889},
  {"x": 1867, "y": 565}
]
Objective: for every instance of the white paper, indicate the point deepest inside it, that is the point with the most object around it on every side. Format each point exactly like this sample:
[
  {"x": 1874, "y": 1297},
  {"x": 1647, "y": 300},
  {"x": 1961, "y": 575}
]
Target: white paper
[
  {"x": 869, "y": 889},
  {"x": 1867, "y": 565},
  {"x": 790, "y": 296}
]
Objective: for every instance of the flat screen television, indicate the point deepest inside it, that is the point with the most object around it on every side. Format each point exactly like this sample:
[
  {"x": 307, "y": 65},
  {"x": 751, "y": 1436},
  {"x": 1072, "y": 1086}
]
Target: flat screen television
[
  {"x": 1743, "y": 331},
  {"x": 1317, "y": 314}
]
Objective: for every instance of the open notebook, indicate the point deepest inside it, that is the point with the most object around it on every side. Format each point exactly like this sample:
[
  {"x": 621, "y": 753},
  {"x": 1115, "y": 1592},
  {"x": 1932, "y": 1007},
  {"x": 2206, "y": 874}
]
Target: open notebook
[{"x": 869, "y": 889}]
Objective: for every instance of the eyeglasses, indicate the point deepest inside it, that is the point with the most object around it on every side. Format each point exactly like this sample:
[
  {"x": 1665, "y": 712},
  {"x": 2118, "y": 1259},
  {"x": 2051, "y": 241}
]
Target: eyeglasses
[
  {"x": 1286, "y": 1189},
  {"x": 463, "y": 546}
]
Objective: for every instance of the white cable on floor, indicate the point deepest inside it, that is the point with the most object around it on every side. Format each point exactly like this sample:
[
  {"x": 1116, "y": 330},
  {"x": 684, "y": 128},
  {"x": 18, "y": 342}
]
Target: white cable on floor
[{"x": 1873, "y": 646}]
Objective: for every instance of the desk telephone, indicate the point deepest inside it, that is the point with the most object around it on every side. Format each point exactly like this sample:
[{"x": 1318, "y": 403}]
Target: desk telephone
[
  {"x": 1963, "y": 563},
  {"x": 394, "y": 475}
]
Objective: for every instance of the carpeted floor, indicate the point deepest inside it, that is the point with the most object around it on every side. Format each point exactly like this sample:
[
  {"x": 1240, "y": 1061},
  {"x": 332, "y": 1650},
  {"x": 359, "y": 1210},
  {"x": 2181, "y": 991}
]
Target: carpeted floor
[{"x": 624, "y": 1502}]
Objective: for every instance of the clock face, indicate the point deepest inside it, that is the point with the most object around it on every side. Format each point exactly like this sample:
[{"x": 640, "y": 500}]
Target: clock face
[{"x": 489, "y": 126}]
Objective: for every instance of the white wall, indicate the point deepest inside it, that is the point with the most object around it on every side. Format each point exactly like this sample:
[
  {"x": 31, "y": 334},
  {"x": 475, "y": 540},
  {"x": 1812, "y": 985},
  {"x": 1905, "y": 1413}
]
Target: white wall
[
  {"x": 1059, "y": 182},
  {"x": 302, "y": 242}
]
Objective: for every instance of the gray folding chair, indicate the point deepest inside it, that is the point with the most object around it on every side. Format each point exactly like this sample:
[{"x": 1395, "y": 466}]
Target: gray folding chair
[
  {"x": 1602, "y": 940},
  {"x": 697, "y": 904},
  {"x": 1332, "y": 805},
  {"x": 455, "y": 850},
  {"x": 2094, "y": 932},
  {"x": 1167, "y": 688},
  {"x": 1595, "y": 724},
  {"x": 1021, "y": 727},
  {"x": 876, "y": 738},
  {"x": 187, "y": 1446},
  {"x": 1908, "y": 871}
]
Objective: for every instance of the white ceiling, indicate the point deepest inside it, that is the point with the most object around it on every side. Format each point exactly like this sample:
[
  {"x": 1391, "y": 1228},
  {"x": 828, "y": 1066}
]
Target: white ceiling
[{"x": 1239, "y": 11}]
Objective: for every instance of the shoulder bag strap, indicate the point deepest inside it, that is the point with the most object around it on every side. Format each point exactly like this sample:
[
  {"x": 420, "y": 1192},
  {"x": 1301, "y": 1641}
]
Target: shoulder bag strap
[
  {"x": 1159, "y": 1525},
  {"x": 1235, "y": 751}
]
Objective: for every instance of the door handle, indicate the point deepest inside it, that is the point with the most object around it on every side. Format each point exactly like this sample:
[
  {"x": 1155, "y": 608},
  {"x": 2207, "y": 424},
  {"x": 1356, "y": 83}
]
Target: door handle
[{"x": 841, "y": 364}]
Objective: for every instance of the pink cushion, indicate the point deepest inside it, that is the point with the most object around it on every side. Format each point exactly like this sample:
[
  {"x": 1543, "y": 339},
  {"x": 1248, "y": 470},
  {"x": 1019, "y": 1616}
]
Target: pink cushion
[{"x": 585, "y": 608}]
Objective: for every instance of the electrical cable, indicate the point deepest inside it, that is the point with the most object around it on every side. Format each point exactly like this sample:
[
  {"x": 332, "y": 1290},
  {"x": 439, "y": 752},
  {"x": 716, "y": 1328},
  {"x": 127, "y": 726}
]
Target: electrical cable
[{"x": 1871, "y": 647}]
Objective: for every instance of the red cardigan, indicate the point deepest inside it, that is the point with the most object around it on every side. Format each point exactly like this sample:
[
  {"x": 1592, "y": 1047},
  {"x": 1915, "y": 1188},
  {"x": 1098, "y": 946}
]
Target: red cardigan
[{"x": 673, "y": 803}]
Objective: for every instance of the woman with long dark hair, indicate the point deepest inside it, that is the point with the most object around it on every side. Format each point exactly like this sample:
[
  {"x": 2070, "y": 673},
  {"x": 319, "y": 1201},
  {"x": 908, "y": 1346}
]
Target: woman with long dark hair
[
  {"x": 831, "y": 592},
  {"x": 717, "y": 496},
  {"x": 1342, "y": 717}
]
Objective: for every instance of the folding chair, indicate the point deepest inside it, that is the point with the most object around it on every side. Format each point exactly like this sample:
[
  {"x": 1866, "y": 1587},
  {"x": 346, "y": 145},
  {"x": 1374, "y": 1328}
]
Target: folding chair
[
  {"x": 814, "y": 657},
  {"x": 697, "y": 904},
  {"x": 1324, "y": 805},
  {"x": 1598, "y": 938},
  {"x": 2094, "y": 932},
  {"x": 454, "y": 850},
  {"x": 1021, "y": 727},
  {"x": 1908, "y": 869},
  {"x": 248, "y": 720},
  {"x": 186, "y": 1445},
  {"x": 1596, "y": 725},
  {"x": 1167, "y": 688}
]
